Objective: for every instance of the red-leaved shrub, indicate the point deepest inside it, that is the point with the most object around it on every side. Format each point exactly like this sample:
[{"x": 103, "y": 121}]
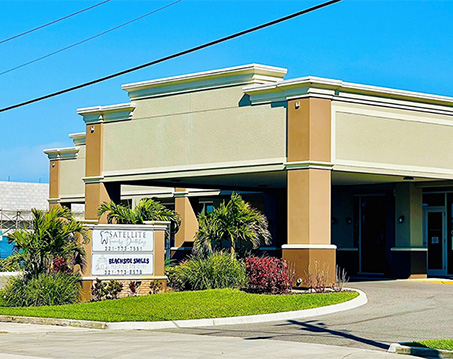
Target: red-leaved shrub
[
  {"x": 60, "y": 265},
  {"x": 268, "y": 275}
]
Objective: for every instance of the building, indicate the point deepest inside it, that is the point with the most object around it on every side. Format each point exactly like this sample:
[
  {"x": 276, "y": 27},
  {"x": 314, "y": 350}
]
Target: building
[
  {"x": 16, "y": 201},
  {"x": 346, "y": 173}
]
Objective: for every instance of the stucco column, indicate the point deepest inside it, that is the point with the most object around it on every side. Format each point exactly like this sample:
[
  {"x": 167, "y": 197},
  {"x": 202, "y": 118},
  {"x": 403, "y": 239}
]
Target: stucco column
[
  {"x": 309, "y": 249},
  {"x": 408, "y": 255},
  {"x": 189, "y": 223},
  {"x": 96, "y": 192},
  {"x": 54, "y": 183}
]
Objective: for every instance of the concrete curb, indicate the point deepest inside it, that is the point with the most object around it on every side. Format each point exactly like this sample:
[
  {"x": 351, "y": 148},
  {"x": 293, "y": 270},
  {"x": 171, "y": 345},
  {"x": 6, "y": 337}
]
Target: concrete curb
[
  {"x": 260, "y": 318},
  {"x": 248, "y": 319},
  {"x": 53, "y": 321},
  {"x": 417, "y": 351},
  {"x": 437, "y": 281}
]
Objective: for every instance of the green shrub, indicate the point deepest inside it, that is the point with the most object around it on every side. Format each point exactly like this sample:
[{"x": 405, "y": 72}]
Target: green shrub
[
  {"x": 105, "y": 290},
  {"x": 218, "y": 270},
  {"x": 55, "y": 233},
  {"x": 47, "y": 289},
  {"x": 234, "y": 225},
  {"x": 8, "y": 265}
]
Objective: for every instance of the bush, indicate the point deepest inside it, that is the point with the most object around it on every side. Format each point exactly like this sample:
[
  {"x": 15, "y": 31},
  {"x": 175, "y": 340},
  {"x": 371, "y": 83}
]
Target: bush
[
  {"x": 60, "y": 265},
  {"x": 47, "y": 289},
  {"x": 268, "y": 275},
  {"x": 105, "y": 290},
  {"x": 235, "y": 225},
  {"x": 8, "y": 265},
  {"x": 55, "y": 233},
  {"x": 218, "y": 270}
]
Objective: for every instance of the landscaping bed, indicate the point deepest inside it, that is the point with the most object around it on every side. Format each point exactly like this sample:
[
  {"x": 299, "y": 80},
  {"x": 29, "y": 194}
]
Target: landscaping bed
[
  {"x": 442, "y": 344},
  {"x": 431, "y": 348},
  {"x": 214, "y": 303}
]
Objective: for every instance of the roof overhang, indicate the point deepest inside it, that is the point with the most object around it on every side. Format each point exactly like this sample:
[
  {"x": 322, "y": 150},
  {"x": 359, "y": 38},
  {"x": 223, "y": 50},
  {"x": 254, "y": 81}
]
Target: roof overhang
[
  {"x": 345, "y": 91},
  {"x": 97, "y": 114},
  {"x": 252, "y": 74},
  {"x": 67, "y": 153}
]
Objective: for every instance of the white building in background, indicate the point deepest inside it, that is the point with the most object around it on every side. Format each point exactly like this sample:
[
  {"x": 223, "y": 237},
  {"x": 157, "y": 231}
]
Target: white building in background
[
  {"x": 16, "y": 201},
  {"x": 23, "y": 196}
]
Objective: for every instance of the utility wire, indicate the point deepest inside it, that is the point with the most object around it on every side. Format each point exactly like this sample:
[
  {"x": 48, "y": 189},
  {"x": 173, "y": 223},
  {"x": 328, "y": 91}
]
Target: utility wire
[
  {"x": 178, "y": 54},
  {"x": 88, "y": 39},
  {"x": 53, "y": 22}
]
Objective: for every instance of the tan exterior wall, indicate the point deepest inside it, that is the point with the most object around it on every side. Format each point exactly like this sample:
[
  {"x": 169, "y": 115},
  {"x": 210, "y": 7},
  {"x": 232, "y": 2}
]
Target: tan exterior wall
[
  {"x": 206, "y": 100},
  {"x": 200, "y": 128},
  {"x": 72, "y": 171},
  {"x": 54, "y": 179},
  {"x": 95, "y": 195},
  {"x": 309, "y": 206},
  {"x": 94, "y": 153},
  {"x": 309, "y": 122},
  {"x": 408, "y": 203},
  {"x": 309, "y": 190},
  {"x": 313, "y": 262},
  {"x": 189, "y": 222},
  {"x": 375, "y": 137},
  {"x": 159, "y": 253}
]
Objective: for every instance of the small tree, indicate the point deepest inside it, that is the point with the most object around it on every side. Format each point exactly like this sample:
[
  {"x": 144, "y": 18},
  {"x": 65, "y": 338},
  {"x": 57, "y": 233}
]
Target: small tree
[
  {"x": 147, "y": 210},
  {"x": 54, "y": 234},
  {"x": 231, "y": 224}
]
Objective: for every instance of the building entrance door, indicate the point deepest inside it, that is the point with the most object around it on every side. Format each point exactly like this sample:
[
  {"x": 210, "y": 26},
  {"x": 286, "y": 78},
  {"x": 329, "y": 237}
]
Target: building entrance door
[
  {"x": 435, "y": 239},
  {"x": 372, "y": 240}
]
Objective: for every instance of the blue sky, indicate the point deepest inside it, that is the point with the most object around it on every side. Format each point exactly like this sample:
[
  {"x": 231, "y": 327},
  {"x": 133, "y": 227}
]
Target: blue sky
[{"x": 401, "y": 44}]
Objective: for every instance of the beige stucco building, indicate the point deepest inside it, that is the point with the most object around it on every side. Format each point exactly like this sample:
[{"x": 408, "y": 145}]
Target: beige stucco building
[{"x": 346, "y": 173}]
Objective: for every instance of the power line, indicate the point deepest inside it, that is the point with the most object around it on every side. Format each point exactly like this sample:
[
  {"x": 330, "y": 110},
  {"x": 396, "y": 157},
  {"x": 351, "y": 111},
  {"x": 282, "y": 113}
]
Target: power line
[
  {"x": 178, "y": 54},
  {"x": 88, "y": 39},
  {"x": 53, "y": 22}
]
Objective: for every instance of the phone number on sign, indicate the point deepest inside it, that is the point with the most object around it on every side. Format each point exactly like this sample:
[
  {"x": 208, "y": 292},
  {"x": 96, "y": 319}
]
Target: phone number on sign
[
  {"x": 123, "y": 249},
  {"x": 122, "y": 271}
]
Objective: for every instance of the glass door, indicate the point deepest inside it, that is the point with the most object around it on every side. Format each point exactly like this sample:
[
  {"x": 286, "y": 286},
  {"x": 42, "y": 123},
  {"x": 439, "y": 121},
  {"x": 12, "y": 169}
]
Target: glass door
[
  {"x": 435, "y": 240},
  {"x": 372, "y": 232}
]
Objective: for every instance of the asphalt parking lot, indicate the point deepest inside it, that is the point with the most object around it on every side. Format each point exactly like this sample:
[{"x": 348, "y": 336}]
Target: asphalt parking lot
[{"x": 396, "y": 311}]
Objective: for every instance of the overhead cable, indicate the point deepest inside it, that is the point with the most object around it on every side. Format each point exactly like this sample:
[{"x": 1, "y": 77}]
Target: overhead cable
[
  {"x": 88, "y": 39},
  {"x": 53, "y": 22},
  {"x": 178, "y": 54}
]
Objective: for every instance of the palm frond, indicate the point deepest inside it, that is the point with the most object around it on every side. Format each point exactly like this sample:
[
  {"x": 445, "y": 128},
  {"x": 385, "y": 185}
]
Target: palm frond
[{"x": 234, "y": 222}]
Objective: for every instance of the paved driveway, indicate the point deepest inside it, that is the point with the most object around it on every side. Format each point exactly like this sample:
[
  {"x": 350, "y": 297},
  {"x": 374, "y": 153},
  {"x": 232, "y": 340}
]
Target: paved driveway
[
  {"x": 396, "y": 311},
  {"x": 18, "y": 342}
]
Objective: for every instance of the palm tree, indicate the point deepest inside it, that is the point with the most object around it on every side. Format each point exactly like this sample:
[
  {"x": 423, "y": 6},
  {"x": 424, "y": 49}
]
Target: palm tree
[
  {"x": 147, "y": 210},
  {"x": 54, "y": 234},
  {"x": 235, "y": 223}
]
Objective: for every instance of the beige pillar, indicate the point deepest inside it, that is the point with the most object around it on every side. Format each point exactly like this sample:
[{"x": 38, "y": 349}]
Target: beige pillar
[
  {"x": 408, "y": 203},
  {"x": 159, "y": 259},
  {"x": 95, "y": 191},
  {"x": 159, "y": 253},
  {"x": 189, "y": 222},
  {"x": 54, "y": 183},
  {"x": 309, "y": 247},
  {"x": 408, "y": 255}
]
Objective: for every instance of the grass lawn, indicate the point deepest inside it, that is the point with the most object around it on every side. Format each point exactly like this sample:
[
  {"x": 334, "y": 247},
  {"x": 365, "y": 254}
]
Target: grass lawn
[
  {"x": 445, "y": 344},
  {"x": 183, "y": 305}
]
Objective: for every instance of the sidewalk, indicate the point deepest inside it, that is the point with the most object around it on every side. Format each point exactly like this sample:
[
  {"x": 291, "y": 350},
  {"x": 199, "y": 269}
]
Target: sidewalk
[{"x": 22, "y": 341}]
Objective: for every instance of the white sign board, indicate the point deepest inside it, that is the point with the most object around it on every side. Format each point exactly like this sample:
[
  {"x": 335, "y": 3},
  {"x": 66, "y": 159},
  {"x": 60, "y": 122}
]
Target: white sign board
[
  {"x": 122, "y": 250},
  {"x": 121, "y": 264},
  {"x": 122, "y": 240}
]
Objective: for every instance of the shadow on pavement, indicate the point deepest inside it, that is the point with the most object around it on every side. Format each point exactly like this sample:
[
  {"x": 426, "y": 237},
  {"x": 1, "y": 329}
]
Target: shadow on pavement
[{"x": 316, "y": 326}]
